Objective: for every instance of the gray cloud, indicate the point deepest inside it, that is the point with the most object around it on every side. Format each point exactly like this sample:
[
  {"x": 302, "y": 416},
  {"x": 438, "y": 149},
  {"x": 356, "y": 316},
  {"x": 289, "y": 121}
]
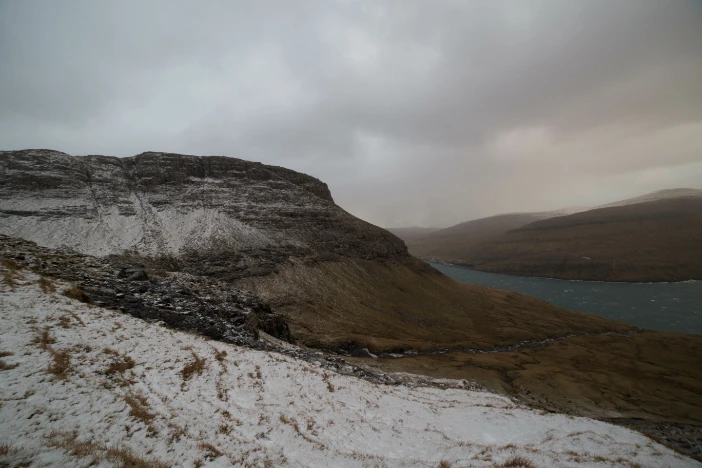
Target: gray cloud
[{"x": 414, "y": 112}]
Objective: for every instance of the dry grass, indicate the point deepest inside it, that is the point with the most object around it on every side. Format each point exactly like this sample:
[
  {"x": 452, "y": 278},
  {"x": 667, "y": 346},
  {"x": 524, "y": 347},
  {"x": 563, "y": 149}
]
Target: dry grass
[
  {"x": 196, "y": 367},
  {"x": 10, "y": 264},
  {"x": 5, "y": 366},
  {"x": 46, "y": 285},
  {"x": 123, "y": 457},
  {"x": 65, "y": 321},
  {"x": 436, "y": 312},
  {"x": 119, "y": 365},
  {"x": 8, "y": 279},
  {"x": 210, "y": 450},
  {"x": 127, "y": 458},
  {"x": 138, "y": 408},
  {"x": 76, "y": 317},
  {"x": 61, "y": 365},
  {"x": 220, "y": 355},
  {"x": 444, "y": 464},
  {"x": 7, "y": 449},
  {"x": 74, "y": 292},
  {"x": 517, "y": 461},
  {"x": 44, "y": 339},
  {"x": 6, "y": 354}
]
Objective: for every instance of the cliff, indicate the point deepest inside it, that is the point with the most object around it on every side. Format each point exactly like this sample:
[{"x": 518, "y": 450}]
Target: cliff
[{"x": 245, "y": 217}]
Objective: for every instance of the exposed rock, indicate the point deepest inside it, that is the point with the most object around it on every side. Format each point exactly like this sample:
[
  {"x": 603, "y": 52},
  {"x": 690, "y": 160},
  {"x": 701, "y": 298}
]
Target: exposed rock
[{"x": 195, "y": 304}]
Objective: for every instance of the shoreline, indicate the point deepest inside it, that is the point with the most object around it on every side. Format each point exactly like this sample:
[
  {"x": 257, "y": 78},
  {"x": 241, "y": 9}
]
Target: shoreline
[{"x": 463, "y": 267}]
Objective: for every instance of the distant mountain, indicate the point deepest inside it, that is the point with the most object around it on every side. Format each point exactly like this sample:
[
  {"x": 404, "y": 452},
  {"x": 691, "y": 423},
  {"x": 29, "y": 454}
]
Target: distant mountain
[
  {"x": 655, "y": 237},
  {"x": 453, "y": 242},
  {"x": 412, "y": 232}
]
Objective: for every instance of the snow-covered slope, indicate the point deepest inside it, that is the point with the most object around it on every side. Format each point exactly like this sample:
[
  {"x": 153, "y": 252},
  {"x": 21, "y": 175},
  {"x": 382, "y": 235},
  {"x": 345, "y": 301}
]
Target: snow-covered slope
[{"x": 83, "y": 385}]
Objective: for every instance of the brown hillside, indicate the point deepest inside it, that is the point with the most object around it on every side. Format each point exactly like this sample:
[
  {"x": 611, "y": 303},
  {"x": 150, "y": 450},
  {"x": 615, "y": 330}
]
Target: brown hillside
[
  {"x": 412, "y": 232},
  {"x": 653, "y": 241},
  {"x": 397, "y": 305},
  {"x": 454, "y": 242}
]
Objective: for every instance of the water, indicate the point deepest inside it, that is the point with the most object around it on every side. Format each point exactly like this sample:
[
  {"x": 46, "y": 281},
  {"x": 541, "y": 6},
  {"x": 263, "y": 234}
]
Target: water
[{"x": 675, "y": 307}]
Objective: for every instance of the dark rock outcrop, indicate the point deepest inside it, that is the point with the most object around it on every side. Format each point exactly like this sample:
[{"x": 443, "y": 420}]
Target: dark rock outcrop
[{"x": 182, "y": 302}]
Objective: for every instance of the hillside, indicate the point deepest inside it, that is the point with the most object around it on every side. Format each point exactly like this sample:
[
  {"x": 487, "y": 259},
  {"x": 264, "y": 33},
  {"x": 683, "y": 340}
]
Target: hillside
[
  {"x": 412, "y": 232},
  {"x": 650, "y": 241},
  {"x": 453, "y": 242},
  {"x": 655, "y": 237},
  {"x": 85, "y": 386}
]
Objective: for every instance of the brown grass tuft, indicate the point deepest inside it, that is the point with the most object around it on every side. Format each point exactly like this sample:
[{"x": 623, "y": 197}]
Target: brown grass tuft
[
  {"x": 127, "y": 458},
  {"x": 10, "y": 264},
  {"x": 193, "y": 368},
  {"x": 138, "y": 408},
  {"x": 119, "y": 366},
  {"x": 46, "y": 285},
  {"x": 7, "y": 449},
  {"x": 6, "y": 354},
  {"x": 61, "y": 366},
  {"x": 444, "y": 464},
  {"x": 44, "y": 339},
  {"x": 220, "y": 355},
  {"x": 74, "y": 292},
  {"x": 210, "y": 450},
  {"x": 6, "y": 366},
  {"x": 517, "y": 461},
  {"x": 76, "y": 317},
  {"x": 8, "y": 279},
  {"x": 124, "y": 457}
]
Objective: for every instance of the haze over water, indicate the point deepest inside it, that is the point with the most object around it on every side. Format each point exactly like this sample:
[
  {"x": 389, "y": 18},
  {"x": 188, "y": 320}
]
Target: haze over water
[{"x": 674, "y": 307}]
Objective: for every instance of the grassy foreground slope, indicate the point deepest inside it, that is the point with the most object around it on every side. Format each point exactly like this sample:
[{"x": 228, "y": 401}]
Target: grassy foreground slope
[{"x": 392, "y": 306}]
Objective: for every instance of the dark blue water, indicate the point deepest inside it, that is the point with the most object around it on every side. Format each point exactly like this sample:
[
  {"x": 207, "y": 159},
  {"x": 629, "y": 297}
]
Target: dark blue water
[{"x": 673, "y": 307}]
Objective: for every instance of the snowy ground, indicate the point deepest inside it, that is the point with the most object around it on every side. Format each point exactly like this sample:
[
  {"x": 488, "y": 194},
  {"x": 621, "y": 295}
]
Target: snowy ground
[{"x": 107, "y": 389}]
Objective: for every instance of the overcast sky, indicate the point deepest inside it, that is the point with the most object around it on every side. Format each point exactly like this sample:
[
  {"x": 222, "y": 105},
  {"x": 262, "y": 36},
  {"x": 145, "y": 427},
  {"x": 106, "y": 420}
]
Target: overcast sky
[{"x": 414, "y": 112}]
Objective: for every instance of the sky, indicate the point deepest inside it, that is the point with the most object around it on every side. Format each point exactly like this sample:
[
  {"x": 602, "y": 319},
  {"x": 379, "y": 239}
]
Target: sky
[{"x": 414, "y": 112}]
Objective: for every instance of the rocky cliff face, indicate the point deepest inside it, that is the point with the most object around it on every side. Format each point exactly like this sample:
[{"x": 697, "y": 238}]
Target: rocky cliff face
[{"x": 243, "y": 218}]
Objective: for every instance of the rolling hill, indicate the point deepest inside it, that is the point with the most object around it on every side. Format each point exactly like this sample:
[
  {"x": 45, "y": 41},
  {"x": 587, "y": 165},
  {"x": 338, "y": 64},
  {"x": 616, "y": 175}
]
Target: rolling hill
[{"x": 656, "y": 237}]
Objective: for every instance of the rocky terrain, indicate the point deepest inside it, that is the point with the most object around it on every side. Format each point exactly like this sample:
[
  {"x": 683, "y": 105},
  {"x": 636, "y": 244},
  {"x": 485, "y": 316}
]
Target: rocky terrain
[{"x": 655, "y": 237}]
